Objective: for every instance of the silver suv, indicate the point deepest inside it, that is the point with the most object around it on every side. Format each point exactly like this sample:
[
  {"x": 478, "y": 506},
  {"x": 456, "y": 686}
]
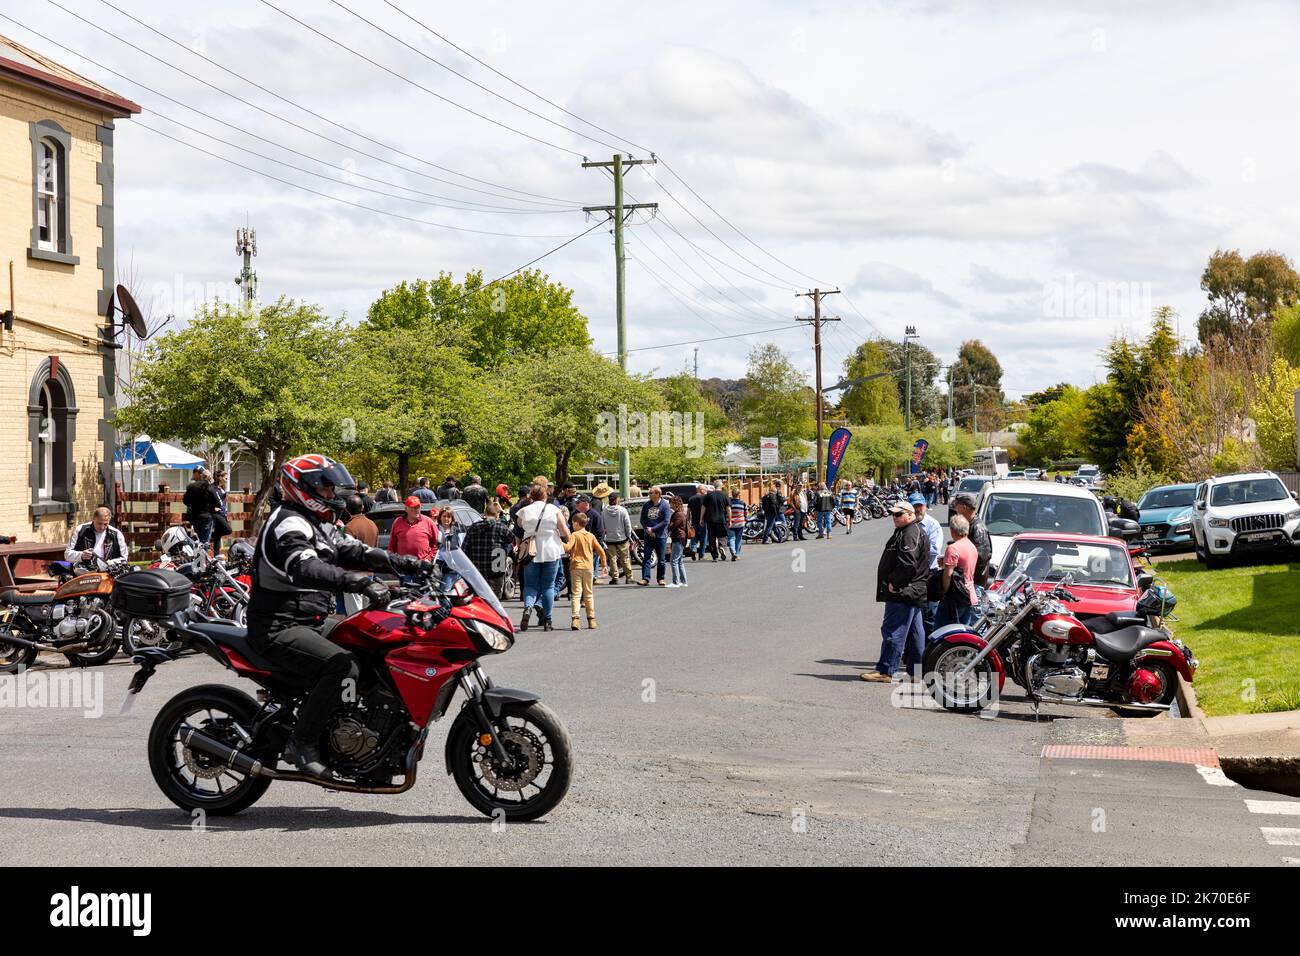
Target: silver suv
[{"x": 1241, "y": 514}]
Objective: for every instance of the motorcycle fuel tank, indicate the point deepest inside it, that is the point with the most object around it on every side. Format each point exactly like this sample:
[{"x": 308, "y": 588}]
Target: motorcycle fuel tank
[{"x": 1062, "y": 629}]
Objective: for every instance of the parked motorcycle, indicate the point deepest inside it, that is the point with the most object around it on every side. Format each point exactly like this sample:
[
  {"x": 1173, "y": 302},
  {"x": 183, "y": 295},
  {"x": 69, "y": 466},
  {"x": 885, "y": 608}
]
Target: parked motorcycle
[
  {"x": 1031, "y": 637},
  {"x": 215, "y": 748},
  {"x": 75, "y": 620},
  {"x": 219, "y": 591}
]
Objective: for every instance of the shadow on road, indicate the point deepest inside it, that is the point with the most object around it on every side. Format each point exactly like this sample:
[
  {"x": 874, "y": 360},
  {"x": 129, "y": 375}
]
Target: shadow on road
[{"x": 280, "y": 819}]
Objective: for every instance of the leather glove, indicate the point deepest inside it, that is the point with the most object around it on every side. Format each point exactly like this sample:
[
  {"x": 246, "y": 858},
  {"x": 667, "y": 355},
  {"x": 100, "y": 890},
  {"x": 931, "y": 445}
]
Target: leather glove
[
  {"x": 377, "y": 594},
  {"x": 404, "y": 563}
]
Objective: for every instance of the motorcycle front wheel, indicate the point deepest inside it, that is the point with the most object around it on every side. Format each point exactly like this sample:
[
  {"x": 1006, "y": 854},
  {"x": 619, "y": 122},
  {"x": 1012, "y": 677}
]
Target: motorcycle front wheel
[
  {"x": 540, "y": 770},
  {"x": 190, "y": 779},
  {"x": 15, "y": 658},
  {"x": 972, "y": 692}
]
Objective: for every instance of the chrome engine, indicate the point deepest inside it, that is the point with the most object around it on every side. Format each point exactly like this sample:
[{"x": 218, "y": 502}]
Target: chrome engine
[
  {"x": 85, "y": 618},
  {"x": 1056, "y": 673}
]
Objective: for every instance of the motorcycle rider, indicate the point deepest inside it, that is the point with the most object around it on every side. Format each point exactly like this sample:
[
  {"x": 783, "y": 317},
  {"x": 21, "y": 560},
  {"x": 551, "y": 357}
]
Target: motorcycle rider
[
  {"x": 96, "y": 537},
  {"x": 301, "y": 561}
]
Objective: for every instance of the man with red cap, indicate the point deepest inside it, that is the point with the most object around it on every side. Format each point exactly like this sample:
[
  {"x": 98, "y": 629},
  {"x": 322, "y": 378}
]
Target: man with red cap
[{"x": 413, "y": 533}]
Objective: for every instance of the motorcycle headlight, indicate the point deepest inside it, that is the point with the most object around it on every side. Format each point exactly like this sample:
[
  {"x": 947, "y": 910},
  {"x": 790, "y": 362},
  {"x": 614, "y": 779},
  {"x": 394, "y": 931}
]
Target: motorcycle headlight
[
  {"x": 489, "y": 639},
  {"x": 1218, "y": 522}
]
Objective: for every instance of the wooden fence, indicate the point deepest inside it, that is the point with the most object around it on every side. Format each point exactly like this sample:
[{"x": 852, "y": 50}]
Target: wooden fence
[{"x": 143, "y": 516}]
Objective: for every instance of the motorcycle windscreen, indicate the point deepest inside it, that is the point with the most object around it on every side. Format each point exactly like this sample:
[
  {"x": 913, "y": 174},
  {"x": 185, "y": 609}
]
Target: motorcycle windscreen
[{"x": 455, "y": 560}]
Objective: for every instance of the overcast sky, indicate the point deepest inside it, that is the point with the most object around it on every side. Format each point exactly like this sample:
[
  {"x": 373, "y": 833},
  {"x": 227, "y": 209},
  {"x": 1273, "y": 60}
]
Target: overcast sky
[{"x": 1037, "y": 178}]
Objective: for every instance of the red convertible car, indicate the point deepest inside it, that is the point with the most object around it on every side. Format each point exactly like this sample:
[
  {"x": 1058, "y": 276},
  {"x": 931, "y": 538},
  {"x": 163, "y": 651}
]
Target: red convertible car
[{"x": 1105, "y": 578}]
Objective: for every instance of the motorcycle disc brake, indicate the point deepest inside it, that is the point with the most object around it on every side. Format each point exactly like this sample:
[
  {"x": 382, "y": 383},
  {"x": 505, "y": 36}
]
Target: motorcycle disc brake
[{"x": 526, "y": 750}]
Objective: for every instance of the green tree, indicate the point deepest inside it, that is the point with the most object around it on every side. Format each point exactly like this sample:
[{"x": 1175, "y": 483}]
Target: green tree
[
  {"x": 523, "y": 314},
  {"x": 682, "y": 393},
  {"x": 777, "y": 402},
  {"x": 1286, "y": 334},
  {"x": 1244, "y": 294},
  {"x": 978, "y": 365},
  {"x": 874, "y": 402},
  {"x": 927, "y": 402},
  {"x": 1274, "y": 414},
  {"x": 876, "y": 450},
  {"x": 269, "y": 379},
  {"x": 554, "y": 402},
  {"x": 1054, "y": 429}
]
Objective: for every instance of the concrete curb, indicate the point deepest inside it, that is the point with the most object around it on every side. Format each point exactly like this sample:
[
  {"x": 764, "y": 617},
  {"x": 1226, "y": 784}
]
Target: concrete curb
[{"x": 1188, "y": 706}]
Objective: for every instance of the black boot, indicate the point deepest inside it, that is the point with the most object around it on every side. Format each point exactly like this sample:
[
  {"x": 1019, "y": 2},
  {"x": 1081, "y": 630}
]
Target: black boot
[
  {"x": 523, "y": 621},
  {"x": 546, "y": 624},
  {"x": 306, "y": 757}
]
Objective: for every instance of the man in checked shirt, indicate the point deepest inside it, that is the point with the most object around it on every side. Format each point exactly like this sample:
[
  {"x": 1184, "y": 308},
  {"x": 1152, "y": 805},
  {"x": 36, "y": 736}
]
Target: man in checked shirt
[{"x": 489, "y": 545}]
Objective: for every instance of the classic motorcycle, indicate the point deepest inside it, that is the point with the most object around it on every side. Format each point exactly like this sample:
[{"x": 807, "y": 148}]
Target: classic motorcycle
[
  {"x": 75, "y": 620},
  {"x": 1030, "y": 636},
  {"x": 214, "y": 748}
]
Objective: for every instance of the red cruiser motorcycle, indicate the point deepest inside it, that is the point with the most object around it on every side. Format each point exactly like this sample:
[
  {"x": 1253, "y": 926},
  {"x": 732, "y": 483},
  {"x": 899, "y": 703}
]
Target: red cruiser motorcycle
[
  {"x": 1032, "y": 637},
  {"x": 215, "y": 748}
]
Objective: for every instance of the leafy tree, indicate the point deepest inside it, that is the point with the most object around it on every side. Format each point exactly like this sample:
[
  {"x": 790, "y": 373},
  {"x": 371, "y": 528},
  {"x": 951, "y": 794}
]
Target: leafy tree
[
  {"x": 777, "y": 402},
  {"x": 553, "y": 402},
  {"x": 523, "y": 314},
  {"x": 876, "y": 450},
  {"x": 975, "y": 363},
  {"x": 1047, "y": 395},
  {"x": 1286, "y": 334},
  {"x": 1274, "y": 415},
  {"x": 682, "y": 393},
  {"x": 927, "y": 402},
  {"x": 1244, "y": 294},
  {"x": 875, "y": 402},
  {"x": 269, "y": 379},
  {"x": 1054, "y": 430}
]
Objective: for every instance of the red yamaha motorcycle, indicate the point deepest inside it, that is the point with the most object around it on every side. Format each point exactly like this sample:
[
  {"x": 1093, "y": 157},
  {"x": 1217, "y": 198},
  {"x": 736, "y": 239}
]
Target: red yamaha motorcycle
[
  {"x": 1031, "y": 636},
  {"x": 215, "y": 748}
]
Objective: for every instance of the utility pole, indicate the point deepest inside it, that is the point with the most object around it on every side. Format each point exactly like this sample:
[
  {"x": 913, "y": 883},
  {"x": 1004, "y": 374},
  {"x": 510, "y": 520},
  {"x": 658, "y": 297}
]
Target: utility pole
[
  {"x": 246, "y": 245},
  {"x": 952, "y": 422},
  {"x": 697, "y": 363},
  {"x": 619, "y": 213},
  {"x": 817, "y": 320},
  {"x": 974, "y": 409},
  {"x": 909, "y": 333}
]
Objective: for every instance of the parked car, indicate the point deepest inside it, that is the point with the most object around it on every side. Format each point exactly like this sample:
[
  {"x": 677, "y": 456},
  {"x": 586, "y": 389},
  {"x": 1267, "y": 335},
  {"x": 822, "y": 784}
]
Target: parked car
[
  {"x": 1010, "y": 508},
  {"x": 1166, "y": 518},
  {"x": 1243, "y": 514},
  {"x": 1018, "y": 475},
  {"x": 1105, "y": 579},
  {"x": 1033, "y": 474},
  {"x": 384, "y": 515},
  {"x": 1086, "y": 474},
  {"x": 970, "y": 485}
]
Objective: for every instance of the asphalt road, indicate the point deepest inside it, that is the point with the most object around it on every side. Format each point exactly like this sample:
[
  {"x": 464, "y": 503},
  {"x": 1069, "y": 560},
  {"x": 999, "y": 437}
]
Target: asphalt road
[{"x": 761, "y": 745}]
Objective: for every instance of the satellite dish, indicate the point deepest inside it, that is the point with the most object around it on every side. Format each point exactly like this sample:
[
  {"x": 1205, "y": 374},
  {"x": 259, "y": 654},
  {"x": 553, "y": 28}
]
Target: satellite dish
[{"x": 131, "y": 313}]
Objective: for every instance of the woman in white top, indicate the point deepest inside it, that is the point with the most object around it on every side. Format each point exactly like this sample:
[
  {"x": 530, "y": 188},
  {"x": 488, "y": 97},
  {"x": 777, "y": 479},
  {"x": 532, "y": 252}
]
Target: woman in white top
[{"x": 544, "y": 524}]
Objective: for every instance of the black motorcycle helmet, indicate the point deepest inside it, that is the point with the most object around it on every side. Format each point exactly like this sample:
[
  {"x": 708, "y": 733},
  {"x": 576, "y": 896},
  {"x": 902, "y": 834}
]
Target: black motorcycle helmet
[
  {"x": 1110, "y": 503},
  {"x": 1156, "y": 600},
  {"x": 241, "y": 552}
]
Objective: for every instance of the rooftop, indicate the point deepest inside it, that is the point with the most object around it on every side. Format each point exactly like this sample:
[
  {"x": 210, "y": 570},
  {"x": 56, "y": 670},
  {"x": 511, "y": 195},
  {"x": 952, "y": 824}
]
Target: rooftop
[{"x": 25, "y": 66}]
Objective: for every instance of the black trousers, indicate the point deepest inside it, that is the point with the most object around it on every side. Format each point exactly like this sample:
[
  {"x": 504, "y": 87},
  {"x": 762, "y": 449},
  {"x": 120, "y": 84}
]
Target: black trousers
[
  {"x": 302, "y": 650},
  {"x": 717, "y": 536}
]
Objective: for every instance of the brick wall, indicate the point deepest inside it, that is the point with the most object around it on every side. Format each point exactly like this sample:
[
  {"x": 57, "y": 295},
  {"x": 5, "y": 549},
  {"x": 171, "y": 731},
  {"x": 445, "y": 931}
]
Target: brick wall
[{"x": 65, "y": 296}]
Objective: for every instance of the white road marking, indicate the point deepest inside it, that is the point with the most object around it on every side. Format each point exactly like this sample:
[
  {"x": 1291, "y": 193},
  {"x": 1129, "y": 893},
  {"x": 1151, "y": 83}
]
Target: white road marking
[
  {"x": 1281, "y": 836},
  {"x": 1287, "y": 808},
  {"x": 1214, "y": 776}
]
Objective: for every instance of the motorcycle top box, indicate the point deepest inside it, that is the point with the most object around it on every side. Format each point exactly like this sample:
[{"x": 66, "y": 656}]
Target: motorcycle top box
[{"x": 152, "y": 593}]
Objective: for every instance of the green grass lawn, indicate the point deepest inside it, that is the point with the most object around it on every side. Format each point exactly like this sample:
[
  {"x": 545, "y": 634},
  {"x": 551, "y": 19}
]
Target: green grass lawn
[{"x": 1243, "y": 624}]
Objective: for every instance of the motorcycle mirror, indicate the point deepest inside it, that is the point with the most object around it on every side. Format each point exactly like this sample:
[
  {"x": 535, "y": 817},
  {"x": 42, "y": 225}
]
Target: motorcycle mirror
[
  {"x": 1124, "y": 528},
  {"x": 1145, "y": 580}
]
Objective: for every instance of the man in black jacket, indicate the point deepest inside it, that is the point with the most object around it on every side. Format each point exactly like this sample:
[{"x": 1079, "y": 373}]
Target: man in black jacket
[
  {"x": 902, "y": 580},
  {"x": 772, "y": 506},
  {"x": 474, "y": 494},
  {"x": 717, "y": 512},
  {"x": 695, "y": 508}
]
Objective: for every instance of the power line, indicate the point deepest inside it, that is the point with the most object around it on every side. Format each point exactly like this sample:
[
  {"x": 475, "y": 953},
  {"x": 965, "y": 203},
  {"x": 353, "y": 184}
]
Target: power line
[
  {"x": 454, "y": 72},
  {"x": 540, "y": 200},
  {"x": 486, "y": 208},
  {"x": 503, "y": 76},
  {"x": 716, "y": 338},
  {"x": 748, "y": 316},
  {"x": 346, "y": 202},
  {"x": 419, "y": 86},
  {"x": 654, "y": 275}
]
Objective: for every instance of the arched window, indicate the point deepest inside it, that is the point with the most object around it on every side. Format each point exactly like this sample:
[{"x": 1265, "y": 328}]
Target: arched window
[
  {"x": 49, "y": 203},
  {"x": 51, "y": 432},
  {"x": 46, "y": 439},
  {"x": 51, "y": 209}
]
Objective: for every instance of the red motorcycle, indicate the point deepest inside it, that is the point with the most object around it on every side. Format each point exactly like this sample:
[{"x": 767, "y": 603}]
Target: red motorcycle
[
  {"x": 1031, "y": 636},
  {"x": 215, "y": 748}
]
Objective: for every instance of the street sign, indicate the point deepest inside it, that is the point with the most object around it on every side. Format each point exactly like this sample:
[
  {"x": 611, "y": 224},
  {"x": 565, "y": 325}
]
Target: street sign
[{"x": 769, "y": 452}]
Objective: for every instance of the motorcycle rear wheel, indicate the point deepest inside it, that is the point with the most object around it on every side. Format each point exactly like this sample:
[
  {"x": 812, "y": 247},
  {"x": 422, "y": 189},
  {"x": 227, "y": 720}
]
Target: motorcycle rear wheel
[
  {"x": 531, "y": 732},
  {"x": 14, "y": 658},
  {"x": 1170, "y": 678},
  {"x": 178, "y": 770},
  {"x": 138, "y": 632}
]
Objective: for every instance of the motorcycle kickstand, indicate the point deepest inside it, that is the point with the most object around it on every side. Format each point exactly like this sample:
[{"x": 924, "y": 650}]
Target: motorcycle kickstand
[{"x": 1034, "y": 701}]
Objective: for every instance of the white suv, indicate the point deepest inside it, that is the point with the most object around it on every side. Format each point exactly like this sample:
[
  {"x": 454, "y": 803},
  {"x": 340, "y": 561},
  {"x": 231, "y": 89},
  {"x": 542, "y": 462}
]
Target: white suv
[
  {"x": 1011, "y": 507},
  {"x": 1238, "y": 514}
]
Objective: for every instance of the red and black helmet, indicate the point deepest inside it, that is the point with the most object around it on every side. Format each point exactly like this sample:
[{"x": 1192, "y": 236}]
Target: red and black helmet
[{"x": 318, "y": 485}]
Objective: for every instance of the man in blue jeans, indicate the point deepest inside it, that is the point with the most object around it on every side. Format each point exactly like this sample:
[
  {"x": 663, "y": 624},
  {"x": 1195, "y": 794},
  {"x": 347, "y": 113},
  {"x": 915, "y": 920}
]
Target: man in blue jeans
[
  {"x": 654, "y": 529},
  {"x": 902, "y": 579}
]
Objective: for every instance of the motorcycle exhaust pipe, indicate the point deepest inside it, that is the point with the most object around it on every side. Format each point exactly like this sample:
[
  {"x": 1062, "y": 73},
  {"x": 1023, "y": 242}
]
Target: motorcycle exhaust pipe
[
  {"x": 233, "y": 759},
  {"x": 42, "y": 646}
]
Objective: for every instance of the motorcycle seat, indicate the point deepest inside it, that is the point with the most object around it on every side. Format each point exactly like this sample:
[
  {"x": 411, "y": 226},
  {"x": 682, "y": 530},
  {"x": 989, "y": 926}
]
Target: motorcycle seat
[
  {"x": 1114, "y": 621},
  {"x": 1119, "y": 646},
  {"x": 18, "y": 598},
  {"x": 234, "y": 637}
]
